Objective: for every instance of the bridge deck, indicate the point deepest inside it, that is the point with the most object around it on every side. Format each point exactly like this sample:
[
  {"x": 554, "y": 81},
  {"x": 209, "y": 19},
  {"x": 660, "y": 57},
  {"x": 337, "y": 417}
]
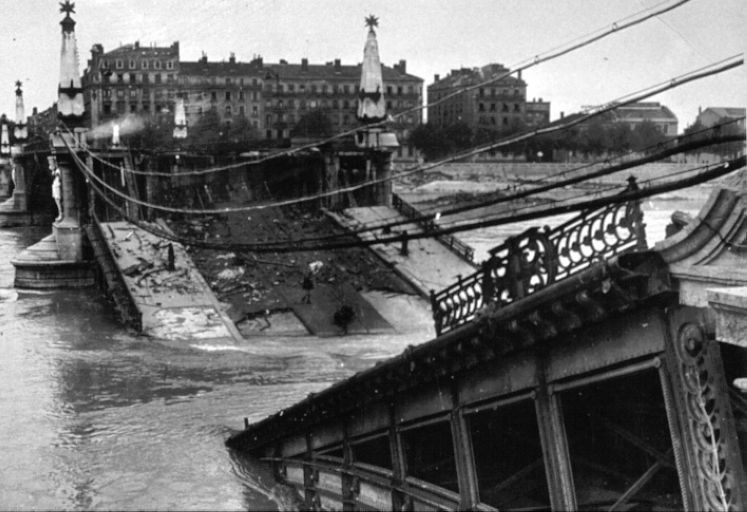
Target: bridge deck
[
  {"x": 430, "y": 265},
  {"x": 175, "y": 304}
]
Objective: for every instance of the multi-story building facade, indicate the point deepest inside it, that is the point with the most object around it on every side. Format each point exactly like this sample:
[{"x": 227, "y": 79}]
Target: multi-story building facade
[
  {"x": 715, "y": 115},
  {"x": 130, "y": 79},
  {"x": 636, "y": 114},
  {"x": 272, "y": 97},
  {"x": 537, "y": 113},
  {"x": 500, "y": 105}
]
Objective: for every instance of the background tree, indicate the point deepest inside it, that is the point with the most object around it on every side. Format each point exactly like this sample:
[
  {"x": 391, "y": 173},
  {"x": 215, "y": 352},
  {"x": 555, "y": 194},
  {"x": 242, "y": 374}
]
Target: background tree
[
  {"x": 313, "y": 124},
  {"x": 206, "y": 131},
  {"x": 645, "y": 135}
]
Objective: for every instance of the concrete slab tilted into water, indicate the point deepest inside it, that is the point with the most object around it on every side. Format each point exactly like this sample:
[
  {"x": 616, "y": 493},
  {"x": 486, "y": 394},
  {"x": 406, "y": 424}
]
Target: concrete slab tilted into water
[{"x": 175, "y": 304}]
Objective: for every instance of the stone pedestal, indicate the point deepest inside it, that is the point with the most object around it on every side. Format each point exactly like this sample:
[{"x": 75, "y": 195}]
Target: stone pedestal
[
  {"x": 20, "y": 201},
  {"x": 69, "y": 239},
  {"x": 730, "y": 310}
]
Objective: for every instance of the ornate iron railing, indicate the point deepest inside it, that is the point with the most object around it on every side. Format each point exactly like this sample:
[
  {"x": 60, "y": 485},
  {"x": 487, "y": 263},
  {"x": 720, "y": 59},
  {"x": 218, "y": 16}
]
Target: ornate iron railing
[
  {"x": 457, "y": 246},
  {"x": 538, "y": 257}
]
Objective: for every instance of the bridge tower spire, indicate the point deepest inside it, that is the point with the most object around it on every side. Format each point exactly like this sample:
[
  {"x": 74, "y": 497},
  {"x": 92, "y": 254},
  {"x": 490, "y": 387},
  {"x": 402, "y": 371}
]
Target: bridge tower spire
[
  {"x": 70, "y": 106},
  {"x": 20, "y": 131},
  {"x": 371, "y": 104}
]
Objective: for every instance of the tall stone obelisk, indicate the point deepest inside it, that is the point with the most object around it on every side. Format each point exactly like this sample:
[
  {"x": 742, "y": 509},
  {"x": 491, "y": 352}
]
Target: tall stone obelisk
[
  {"x": 70, "y": 111},
  {"x": 371, "y": 104},
  {"x": 372, "y": 109},
  {"x": 20, "y": 134}
]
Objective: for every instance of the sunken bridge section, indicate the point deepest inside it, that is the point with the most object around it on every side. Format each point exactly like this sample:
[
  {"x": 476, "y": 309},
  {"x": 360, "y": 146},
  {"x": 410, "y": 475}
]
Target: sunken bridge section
[{"x": 589, "y": 382}]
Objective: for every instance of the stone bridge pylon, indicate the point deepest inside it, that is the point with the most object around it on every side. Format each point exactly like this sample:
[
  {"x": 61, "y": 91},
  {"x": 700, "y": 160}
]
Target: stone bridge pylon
[{"x": 58, "y": 260}]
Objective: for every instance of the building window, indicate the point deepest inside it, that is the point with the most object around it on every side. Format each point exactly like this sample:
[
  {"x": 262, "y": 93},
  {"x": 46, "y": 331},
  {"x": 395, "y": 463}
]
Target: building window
[
  {"x": 516, "y": 92},
  {"x": 120, "y": 93},
  {"x": 291, "y": 87},
  {"x": 241, "y": 95},
  {"x": 505, "y": 121},
  {"x": 228, "y": 81},
  {"x": 158, "y": 78},
  {"x": 242, "y": 110},
  {"x": 302, "y": 87},
  {"x": 213, "y": 96},
  {"x": 399, "y": 90},
  {"x": 481, "y": 107},
  {"x": 144, "y": 64},
  {"x": 228, "y": 95},
  {"x": 146, "y": 107},
  {"x": 482, "y": 92},
  {"x": 133, "y": 93},
  {"x": 169, "y": 64},
  {"x": 517, "y": 107},
  {"x": 119, "y": 64},
  {"x": 107, "y": 108},
  {"x": 156, "y": 64},
  {"x": 346, "y": 88},
  {"x": 228, "y": 110},
  {"x": 505, "y": 107}
]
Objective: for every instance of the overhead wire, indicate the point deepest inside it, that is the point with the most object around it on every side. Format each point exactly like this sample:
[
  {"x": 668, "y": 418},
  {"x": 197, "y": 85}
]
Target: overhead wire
[
  {"x": 711, "y": 172},
  {"x": 699, "y": 73},
  {"x": 563, "y": 49}
]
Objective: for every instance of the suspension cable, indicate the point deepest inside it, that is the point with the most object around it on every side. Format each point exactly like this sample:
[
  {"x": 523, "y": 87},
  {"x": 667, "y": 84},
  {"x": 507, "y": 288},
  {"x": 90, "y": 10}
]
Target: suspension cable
[{"x": 563, "y": 49}]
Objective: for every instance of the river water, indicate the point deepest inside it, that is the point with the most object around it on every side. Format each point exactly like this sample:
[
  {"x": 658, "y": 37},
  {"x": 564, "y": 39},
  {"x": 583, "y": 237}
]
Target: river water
[{"x": 94, "y": 417}]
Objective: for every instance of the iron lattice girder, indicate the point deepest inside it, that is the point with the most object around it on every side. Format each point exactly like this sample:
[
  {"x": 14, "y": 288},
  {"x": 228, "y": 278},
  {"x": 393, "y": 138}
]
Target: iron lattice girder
[{"x": 624, "y": 283}]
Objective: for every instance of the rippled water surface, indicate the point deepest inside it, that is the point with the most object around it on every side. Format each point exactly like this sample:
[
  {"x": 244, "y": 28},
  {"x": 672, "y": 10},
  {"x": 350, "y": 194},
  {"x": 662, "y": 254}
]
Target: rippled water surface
[{"x": 92, "y": 417}]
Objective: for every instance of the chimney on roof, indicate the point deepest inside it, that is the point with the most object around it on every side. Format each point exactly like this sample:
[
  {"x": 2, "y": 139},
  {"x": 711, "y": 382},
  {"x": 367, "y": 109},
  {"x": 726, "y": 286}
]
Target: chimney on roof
[
  {"x": 304, "y": 64},
  {"x": 562, "y": 115},
  {"x": 137, "y": 44},
  {"x": 338, "y": 66},
  {"x": 402, "y": 67},
  {"x": 203, "y": 59},
  {"x": 232, "y": 58},
  {"x": 436, "y": 77},
  {"x": 519, "y": 75}
]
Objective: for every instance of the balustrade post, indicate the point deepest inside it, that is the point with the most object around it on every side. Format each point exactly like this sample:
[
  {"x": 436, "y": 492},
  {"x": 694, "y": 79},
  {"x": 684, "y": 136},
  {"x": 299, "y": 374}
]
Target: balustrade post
[
  {"x": 488, "y": 287},
  {"x": 436, "y": 313},
  {"x": 404, "y": 251},
  {"x": 637, "y": 225}
]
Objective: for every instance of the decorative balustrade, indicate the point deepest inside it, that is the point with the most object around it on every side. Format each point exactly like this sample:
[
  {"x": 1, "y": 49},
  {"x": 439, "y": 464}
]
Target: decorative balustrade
[
  {"x": 457, "y": 246},
  {"x": 538, "y": 257}
]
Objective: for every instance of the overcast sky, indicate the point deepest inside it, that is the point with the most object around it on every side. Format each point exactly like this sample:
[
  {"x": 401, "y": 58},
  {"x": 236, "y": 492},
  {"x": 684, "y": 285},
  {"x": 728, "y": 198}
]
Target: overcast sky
[{"x": 434, "y": 36}]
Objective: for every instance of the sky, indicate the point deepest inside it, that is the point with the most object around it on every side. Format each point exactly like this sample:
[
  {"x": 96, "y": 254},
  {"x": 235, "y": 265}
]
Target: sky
[{"x": 433, "y": 36}]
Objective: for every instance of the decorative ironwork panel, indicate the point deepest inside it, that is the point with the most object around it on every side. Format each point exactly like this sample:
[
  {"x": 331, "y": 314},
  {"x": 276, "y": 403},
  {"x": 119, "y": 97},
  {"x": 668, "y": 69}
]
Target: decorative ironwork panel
[
  {"x": 707, "y": 420},
  {"x": 539, "y": 257}
]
